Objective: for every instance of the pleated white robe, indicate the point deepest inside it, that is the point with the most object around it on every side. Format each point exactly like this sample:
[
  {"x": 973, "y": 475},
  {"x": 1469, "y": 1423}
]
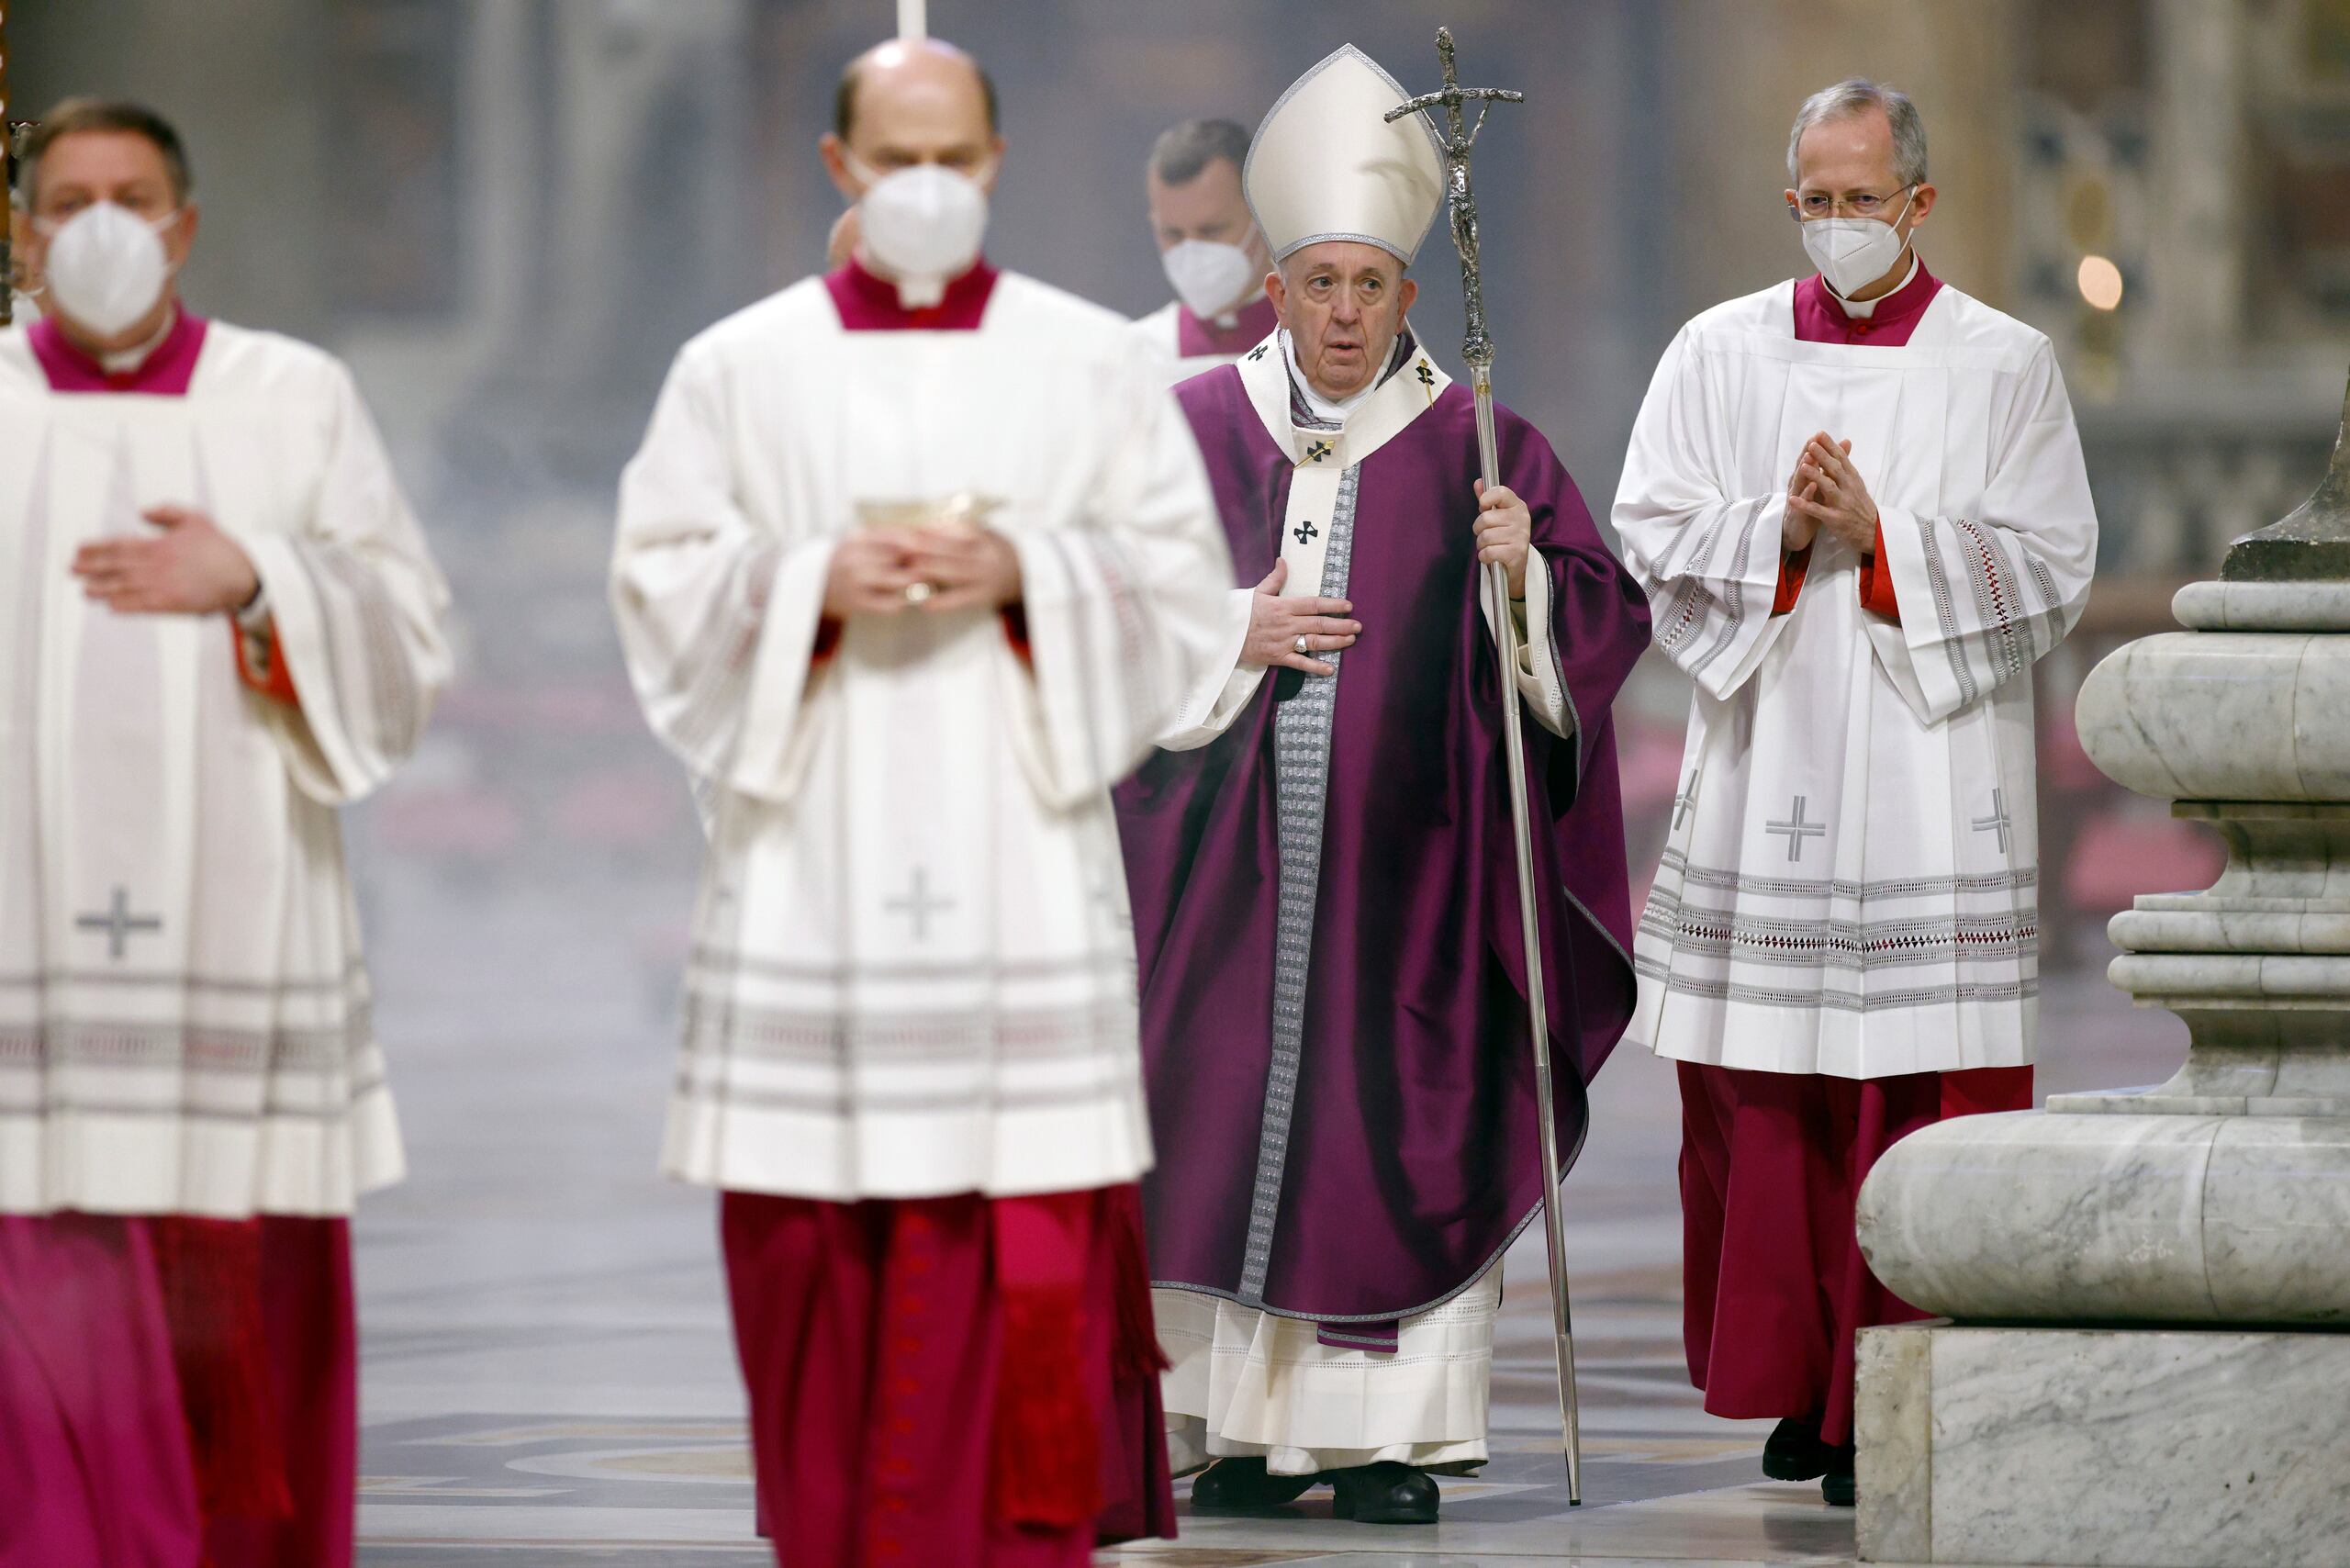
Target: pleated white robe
[
  {"x": 184, "y": 1023},
  {"x": 914, "y": 962},
  {"x": 1851, "y": 884}
]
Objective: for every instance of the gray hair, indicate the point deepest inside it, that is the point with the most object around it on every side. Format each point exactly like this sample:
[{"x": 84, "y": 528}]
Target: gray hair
[
  {"x": 1182, "y": 153},
  {"x": 1858, "y": 94}
]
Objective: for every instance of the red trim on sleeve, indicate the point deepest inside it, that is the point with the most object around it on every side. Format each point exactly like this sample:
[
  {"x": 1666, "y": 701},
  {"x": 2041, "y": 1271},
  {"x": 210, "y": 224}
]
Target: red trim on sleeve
[
  {"x": 1794, "y": 564},
  {"x": 828, "y": 641},
  {"x": 1015, "y": 630},
  {"x": 1877, "y": 583},
  {"x": 276, "y": 680}
]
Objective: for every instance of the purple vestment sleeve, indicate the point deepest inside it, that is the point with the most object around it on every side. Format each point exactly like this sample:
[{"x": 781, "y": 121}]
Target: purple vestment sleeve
[{"x": 1409, "y": 1156}]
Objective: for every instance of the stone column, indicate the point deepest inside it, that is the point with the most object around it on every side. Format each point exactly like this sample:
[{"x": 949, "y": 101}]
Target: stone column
[{"x": 2145, "y": 1361}]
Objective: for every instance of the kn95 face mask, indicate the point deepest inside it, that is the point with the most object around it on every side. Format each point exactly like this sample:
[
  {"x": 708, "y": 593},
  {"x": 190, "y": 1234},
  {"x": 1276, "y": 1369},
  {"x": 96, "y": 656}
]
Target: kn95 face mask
[{"x": 107, "y": 267}]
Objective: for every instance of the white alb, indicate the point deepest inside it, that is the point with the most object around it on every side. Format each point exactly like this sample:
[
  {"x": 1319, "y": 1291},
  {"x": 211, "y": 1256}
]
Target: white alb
[
  {"x": 913, "y": 967},
  {"x": 183, "y": 1021},
  {"x": 1851, "y": 886}
]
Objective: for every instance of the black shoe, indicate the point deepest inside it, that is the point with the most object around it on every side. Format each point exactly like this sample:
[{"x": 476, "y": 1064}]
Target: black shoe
[
  {"x": 1838, "y": 1487},
  {"x": 1383, "y": 1494},
  {"x": 1795, "y": 1453},
  {"x": 1243, "y": 1486}
]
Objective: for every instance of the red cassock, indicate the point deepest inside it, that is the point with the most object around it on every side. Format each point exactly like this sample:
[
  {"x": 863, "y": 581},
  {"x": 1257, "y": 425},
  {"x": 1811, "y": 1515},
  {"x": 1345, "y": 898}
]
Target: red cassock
[
  {"x": 948, "y": 1382},
  {"x": 175, "y": 1392},
  {"x": 1774, "y": 1287},
  {"x": 951, "y": 1382}
]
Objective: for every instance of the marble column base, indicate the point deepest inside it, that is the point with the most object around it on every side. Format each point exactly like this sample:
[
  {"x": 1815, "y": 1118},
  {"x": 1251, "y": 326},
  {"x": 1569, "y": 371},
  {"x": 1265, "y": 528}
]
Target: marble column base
[
  {"x": 2153, "y": 1447},
  {"x": 2038, "y": 1216}
]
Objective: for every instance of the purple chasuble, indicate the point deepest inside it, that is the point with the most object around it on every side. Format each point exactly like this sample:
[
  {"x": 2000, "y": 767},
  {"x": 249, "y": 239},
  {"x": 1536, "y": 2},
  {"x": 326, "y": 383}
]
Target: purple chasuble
[{"x": 1409, "y": 1155}]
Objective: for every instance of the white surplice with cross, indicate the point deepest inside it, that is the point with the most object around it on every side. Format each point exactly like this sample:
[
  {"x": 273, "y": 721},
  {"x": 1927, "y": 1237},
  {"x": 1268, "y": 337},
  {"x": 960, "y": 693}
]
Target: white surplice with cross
[
  {"x": 1851, "y": 885},
  {"x": 183, "y": 1020},
  {"x": 914, "y": 969}
]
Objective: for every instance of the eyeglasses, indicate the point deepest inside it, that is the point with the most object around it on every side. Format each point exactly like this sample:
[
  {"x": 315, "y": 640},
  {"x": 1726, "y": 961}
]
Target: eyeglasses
[{"x": 1861, "y": 204}]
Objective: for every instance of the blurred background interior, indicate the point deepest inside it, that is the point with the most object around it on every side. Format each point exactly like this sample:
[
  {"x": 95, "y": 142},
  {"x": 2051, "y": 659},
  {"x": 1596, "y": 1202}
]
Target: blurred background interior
[{"x": 508, "y": 214}]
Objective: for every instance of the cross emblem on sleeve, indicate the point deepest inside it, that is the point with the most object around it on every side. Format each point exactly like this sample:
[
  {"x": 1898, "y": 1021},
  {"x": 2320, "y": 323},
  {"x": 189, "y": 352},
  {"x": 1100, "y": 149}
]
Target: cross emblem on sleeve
[
  {"x": 1425, "y": 376},
  {"x": 1305, "y": 533},
  {"x": 1256, "y": 352},
  {"x": 118, "y": 923},
  {"x": 1318, "y": 451},
  {"x": 919, "y": 905},
  {"x": 1998, "y": 821},
  {"x": 1797, "y": 829}
]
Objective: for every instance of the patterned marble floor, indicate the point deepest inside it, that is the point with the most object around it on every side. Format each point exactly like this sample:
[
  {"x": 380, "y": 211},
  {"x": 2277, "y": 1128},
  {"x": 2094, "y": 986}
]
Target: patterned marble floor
[{"x": 548, "y": 1378}]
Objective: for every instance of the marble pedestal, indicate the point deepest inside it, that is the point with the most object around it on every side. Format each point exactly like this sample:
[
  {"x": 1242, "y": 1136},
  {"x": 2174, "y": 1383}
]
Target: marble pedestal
[
  {"x": 2150, "y": 1361},
  {"x": 2068, "y": 1447}
]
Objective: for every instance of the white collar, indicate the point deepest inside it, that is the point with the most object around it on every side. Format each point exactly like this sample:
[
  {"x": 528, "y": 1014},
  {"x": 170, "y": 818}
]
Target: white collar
[
  {"x": 123, "y": 361},
  {"x": 1409, "y": 390},
  {"x": 1861, "y": 310},
  {"x": 1322, "y": 407}
]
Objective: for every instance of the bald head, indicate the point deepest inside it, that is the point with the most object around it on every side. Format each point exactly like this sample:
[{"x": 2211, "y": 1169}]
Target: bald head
[
  {"x": 922, "y": 75},
  {"x": 906, "y": 104}
]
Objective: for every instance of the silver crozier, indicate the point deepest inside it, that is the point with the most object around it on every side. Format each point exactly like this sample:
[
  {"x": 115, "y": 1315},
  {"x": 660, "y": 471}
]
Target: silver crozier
[{"x": 1455, "y": 138}]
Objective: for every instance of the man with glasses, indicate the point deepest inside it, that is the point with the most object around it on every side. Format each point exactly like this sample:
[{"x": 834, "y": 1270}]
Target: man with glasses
[
  {"x": 1334, "y": 1003},
  {"x": 218, "y": 624},
  {"x": 1858, "y": 506}
]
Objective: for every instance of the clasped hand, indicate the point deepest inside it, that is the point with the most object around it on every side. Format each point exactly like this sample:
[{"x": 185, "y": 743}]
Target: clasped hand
[
  {"x": 893, "y": 571},
  {"x": 1825, "y": 492},
  {"x": 191, "y": 568},
  {"x": 1504, "y": 534}
]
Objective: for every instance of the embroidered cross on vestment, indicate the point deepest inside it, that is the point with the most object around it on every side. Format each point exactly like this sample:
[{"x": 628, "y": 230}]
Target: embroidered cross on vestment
[
  {"x": 1797, "y": 829},
  {"x": 118, "y": 923}
]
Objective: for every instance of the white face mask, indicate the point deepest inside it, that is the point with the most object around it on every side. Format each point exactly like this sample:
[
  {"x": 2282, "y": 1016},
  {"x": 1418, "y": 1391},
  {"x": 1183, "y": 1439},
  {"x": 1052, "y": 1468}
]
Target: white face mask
[
  {"x": 1209, "y": 277},
  {"x": 923, "y": 225},
  {"x": 107, "y": 267},
  {"x": 1853, "y": 252}
]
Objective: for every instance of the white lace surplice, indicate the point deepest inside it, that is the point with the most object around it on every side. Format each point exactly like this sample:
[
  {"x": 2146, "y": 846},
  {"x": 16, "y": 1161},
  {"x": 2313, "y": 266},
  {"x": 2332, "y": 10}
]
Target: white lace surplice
[
  {"x": 183, "y": 1021},
  {"x": 913, "y": 970},
  {"x": 1851, "y": 886}
]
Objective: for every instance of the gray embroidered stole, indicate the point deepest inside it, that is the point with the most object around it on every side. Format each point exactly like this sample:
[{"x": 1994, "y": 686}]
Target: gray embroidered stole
[{"x": 1302, "y": 775}]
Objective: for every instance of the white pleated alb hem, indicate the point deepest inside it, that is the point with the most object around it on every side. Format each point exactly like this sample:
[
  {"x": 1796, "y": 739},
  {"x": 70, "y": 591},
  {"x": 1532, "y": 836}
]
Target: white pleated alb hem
[{"x": 1243, "y": 1383}]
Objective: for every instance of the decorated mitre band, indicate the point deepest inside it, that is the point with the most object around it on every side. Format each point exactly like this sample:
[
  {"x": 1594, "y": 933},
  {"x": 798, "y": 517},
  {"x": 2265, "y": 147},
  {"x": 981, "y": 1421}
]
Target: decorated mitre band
[{"x": 1326, "y": 165}]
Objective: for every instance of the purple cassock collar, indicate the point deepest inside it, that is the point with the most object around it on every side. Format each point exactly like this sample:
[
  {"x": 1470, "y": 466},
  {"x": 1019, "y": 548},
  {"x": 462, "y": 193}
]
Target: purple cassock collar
[
  {"x": 1820, "y": 320},
  {"x": 1196, "y": 337},
  {"x": 870, "y": 304},
  {"x": 166, "y": 373}
]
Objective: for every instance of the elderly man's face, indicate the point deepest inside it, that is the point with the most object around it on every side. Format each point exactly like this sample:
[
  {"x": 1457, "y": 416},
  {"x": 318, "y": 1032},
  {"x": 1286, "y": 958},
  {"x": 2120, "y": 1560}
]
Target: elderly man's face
[
  {"x": 1845, "y": 168},
  {"x": 916, "y": 103},
  {"x": 1343, "y": 303}
]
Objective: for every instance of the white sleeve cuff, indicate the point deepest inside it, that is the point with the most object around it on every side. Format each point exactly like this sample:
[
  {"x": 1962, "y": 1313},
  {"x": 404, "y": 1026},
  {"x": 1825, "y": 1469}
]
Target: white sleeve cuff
[
  {"x": 1539, "y": 682},
  {"x": 1225, "y": 685}
]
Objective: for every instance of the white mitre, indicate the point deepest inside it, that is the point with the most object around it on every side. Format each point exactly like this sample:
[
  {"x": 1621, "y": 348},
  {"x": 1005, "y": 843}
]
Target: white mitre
[{"x": 1326, "y": 163}]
